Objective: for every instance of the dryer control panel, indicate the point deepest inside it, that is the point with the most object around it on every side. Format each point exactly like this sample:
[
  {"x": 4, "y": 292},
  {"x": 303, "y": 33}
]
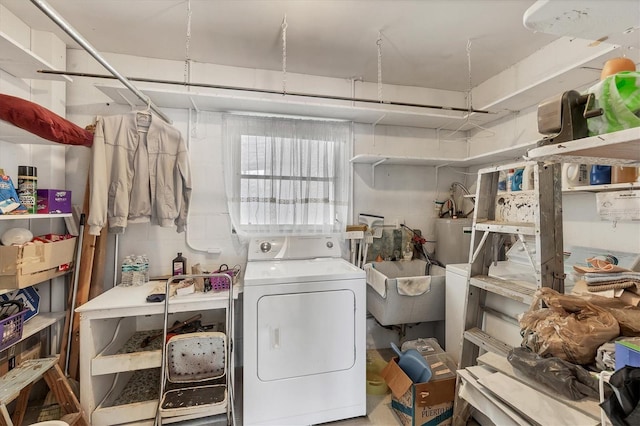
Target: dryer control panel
[{"x": 287, "y": 248}]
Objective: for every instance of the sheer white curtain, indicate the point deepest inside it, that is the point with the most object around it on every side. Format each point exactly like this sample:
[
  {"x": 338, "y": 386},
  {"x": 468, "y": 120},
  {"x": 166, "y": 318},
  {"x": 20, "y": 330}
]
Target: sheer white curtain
[{"x": 286, "y": 176}]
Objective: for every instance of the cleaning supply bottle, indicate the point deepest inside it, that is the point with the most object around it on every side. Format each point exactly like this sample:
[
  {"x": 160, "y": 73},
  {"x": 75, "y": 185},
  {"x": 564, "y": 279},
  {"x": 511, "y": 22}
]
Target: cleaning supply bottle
[
  {"x": 528, "y": 178},
  {"x": 600, "y": 175},
  {"x": 510, "y": 180},
  {"x": 408, "y": 252},
  {"x": 179, "y": 265},
  {"x": 574, "y": 174},
  {"x": 622, "y": 174},
  {"x": 516, "y": 180},
  {"x": 502, "y": 181}
]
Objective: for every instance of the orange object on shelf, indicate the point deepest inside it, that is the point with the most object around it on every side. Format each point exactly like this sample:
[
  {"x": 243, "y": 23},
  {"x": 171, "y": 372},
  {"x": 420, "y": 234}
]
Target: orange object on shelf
[{"x": 616, "y": 65}]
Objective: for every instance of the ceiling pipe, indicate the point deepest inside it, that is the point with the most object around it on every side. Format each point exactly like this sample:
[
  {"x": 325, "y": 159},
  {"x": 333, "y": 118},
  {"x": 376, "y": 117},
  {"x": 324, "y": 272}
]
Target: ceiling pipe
[
  {"x": 67, "y": 28},
  {"x": 275, "y": 92}
]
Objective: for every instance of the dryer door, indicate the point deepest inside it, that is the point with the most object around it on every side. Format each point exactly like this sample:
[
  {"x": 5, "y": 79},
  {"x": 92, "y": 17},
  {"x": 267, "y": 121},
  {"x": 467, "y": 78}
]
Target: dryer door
[{"x": 303, "y": 334}]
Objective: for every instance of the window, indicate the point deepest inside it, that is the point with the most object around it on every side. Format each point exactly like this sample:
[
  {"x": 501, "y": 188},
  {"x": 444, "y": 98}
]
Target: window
[{"x": 286, "y": 175}]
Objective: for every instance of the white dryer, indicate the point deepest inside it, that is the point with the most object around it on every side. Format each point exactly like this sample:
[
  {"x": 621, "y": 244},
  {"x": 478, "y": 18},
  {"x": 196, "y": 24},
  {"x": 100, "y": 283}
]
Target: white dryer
[{"x": 304, "y": 333}]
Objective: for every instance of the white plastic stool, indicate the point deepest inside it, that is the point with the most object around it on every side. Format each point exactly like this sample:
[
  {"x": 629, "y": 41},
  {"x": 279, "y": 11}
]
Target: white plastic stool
[{"x": 51, "y": 423}]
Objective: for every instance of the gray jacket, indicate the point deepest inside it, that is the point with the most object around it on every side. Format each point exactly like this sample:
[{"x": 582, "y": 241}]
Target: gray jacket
[{"x": 138, "y": 176}]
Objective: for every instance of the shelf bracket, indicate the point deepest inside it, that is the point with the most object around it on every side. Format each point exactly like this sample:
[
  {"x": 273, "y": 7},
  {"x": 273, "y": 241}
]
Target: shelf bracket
[{"x": 373, "y": 170}]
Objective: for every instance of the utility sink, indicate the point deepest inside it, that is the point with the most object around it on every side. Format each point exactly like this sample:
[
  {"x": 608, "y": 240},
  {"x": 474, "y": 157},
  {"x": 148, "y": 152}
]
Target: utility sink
[{"x": 391, "y": 307}]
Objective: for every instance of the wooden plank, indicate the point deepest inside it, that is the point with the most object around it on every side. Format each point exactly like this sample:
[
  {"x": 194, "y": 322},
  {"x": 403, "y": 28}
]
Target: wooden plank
[
  {"x": 99, "y": 263},
  {"x": 499, "y": 363},
  {"x": 535, "y": 405},
  {"x": 484, "y": 401},
  {"x": 60, "y": 387},
  {"x": 85, "y": 270},
  {"x": 67, "y": 319},
  {"x": 5, "y": 418},
  {"x": 21, "y": 404},
  {"x": 29, "y": 371}
]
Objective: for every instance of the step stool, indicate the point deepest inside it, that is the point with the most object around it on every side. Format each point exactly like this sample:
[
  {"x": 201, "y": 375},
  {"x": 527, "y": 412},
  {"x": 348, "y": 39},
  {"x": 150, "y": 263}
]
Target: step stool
[{"x": 18, "y": 382}]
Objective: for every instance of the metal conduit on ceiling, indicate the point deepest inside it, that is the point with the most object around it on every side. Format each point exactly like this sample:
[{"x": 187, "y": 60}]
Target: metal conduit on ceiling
[{"x": 67, "y": 28}]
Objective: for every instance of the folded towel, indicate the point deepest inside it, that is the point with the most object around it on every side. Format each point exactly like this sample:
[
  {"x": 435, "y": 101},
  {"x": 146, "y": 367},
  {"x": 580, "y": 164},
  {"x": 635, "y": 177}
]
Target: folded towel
[
  {"x": 616, "y": 276},
  {"x": 414, "y": 286},
  {"x": 609, "y": 286},
  {"x": 376, "y": 279}
]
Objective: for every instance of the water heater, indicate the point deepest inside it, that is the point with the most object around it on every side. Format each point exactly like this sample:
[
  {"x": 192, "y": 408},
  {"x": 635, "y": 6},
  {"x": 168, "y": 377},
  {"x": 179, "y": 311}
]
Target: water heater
[{"x": 453, "y": 237}]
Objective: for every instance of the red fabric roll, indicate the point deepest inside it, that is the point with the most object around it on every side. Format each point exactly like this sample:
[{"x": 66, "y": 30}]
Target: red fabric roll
[{"x": 42, "y": 122}]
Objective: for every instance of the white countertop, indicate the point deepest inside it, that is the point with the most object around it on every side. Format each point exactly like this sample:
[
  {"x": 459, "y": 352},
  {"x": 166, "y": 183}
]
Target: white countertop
[{"x": 132, "y": 301}]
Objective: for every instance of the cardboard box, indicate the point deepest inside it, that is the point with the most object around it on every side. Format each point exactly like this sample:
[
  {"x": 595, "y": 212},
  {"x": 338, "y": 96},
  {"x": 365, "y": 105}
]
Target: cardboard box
[
  {"x": 32, "y": 264},
  {"x": 417, "y": 404},
  {"x": 54, "y": 201}
]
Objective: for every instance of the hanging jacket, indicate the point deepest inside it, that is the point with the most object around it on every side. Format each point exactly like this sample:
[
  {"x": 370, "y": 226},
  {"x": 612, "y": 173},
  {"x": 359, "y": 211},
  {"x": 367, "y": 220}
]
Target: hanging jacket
[{"x": 138, "y": 176}]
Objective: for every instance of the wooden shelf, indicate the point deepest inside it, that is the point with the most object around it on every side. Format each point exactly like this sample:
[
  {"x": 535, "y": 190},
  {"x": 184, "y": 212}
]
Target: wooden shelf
[
  {"x": 616, "y": 148},
  {"x": 40, "y": 322},
  {"x": 22, "y": 63},
  {"x": 33, "y": 216}
]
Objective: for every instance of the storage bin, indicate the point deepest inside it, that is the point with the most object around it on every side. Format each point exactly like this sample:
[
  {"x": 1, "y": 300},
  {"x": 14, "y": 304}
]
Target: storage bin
[
  {"x": 11, "y": 329},
  {"x": 628, "y": 353},
  {"x": 24, "y": 266},
  {"x": 219, "y": 283}
]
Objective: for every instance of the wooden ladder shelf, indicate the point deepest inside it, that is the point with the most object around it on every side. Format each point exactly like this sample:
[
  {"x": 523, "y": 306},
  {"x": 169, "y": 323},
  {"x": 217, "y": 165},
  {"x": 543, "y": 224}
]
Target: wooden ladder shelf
[
  {"x": 18, "y": 382},
  {"x": 534, "y": 217}
]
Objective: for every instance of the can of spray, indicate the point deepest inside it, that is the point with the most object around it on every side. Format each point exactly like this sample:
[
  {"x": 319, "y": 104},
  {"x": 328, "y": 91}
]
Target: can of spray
[
  {"x": 179, "y": 265},
  {"x": 28, "y": 188}
]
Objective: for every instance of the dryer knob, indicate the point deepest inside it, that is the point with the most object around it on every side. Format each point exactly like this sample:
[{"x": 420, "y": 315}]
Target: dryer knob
[
  {"x": 329, "y": 244},
  {"x": 265, "y": 246}
]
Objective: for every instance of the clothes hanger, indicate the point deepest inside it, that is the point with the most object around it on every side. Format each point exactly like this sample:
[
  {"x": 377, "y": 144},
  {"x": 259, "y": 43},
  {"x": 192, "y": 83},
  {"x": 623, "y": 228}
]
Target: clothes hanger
[
  {"x": 147, "y": 110},
  {"x": 143, "y": 117}
]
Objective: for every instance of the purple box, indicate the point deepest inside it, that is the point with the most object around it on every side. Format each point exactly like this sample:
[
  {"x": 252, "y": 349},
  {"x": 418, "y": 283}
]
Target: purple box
[{"x": 54, "y": 201}]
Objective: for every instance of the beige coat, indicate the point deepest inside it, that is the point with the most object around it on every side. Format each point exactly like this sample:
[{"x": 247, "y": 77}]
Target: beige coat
[{"x": 138, "y": 176}]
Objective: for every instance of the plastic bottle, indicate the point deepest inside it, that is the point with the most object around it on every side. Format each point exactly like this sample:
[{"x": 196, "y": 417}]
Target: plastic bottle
[
  {"x": 574, "y": 174},
  {"x": 621, "y": 174},
  {"x": 145, "y": 260},
  {"x": 126, "y": 279},
  {"x": 138, "y": 271},
  {"x": 28, "y": 188},
  {"x": 510, "y": 179},
  {"x": 408, "y": 252},
  {"x": 600, "y": 175},
  {"x": 516, "y": 180},
  {"x": 179, "y": 265},
  {"x": 528, "y": 178},
  {"x": 502, "y": 181}
]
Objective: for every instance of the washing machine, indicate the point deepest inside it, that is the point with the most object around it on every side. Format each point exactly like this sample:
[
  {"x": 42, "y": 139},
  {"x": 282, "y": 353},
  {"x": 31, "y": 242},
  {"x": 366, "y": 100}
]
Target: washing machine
[{"x": 304, "y": 337}]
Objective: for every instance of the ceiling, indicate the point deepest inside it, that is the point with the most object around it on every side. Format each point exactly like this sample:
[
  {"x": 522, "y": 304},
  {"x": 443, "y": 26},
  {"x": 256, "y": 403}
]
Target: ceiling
[{"x": 425, "y": 43}]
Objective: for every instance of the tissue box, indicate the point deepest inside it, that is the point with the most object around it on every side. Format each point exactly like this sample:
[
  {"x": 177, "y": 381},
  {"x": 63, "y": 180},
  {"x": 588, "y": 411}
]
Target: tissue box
[
  {"x": 54, "y": 201},
  {"x": 423, "y": 403}
]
